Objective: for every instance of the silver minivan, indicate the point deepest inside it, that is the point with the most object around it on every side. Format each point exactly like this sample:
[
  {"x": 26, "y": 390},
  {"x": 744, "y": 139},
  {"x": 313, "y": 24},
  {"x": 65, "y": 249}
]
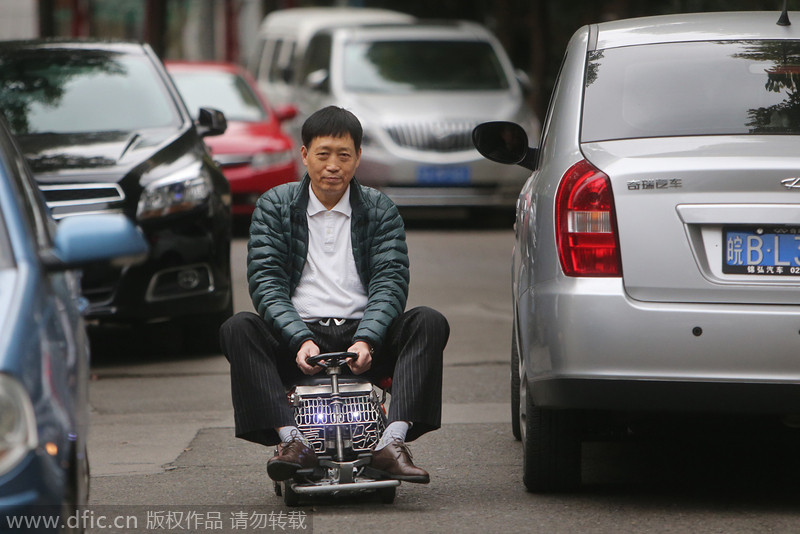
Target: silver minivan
[
  {"x": 418, "y": 88},
  {"x": 284, "y": 36}
]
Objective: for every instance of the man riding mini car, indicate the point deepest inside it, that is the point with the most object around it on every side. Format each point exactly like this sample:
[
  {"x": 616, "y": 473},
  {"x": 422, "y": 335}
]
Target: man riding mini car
[{"x": 328, "y": 271}]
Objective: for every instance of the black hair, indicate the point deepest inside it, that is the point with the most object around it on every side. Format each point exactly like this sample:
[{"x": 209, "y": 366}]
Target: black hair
[{"x": 334, "y": 122}]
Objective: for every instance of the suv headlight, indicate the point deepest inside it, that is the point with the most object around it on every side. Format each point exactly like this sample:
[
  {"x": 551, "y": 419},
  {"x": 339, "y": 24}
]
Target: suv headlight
[
  {"x": 17, "y": 423},
  {"x": 178, "y": 192}
]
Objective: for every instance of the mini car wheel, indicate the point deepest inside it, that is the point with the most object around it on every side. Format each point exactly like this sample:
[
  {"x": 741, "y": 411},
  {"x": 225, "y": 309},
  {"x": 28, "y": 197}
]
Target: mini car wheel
[
  {"x": 278, "y": 490},
  {"x": 290, "y": 497},
  {"x": 515, "y": 396},
  {"x": 551, "y": 449},
  {"x": 387, "y": 495}
]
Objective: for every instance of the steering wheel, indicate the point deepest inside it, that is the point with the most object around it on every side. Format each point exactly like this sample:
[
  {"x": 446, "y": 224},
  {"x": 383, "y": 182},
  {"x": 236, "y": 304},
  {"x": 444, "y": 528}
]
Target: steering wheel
[{"x": 331, "y": 359}]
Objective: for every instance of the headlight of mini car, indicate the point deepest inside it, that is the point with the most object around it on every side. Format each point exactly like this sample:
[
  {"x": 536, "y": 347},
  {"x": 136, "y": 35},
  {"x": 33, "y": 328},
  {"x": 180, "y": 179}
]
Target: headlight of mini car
[
  {"x": 17, "y": 423},
  {"x": 263, "y": 160},
  {"x": 178, "y": 192}
]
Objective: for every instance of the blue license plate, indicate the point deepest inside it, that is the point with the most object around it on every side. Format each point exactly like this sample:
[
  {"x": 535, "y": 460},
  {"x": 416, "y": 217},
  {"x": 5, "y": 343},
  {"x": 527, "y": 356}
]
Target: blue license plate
[
  {"x": 767, "y": 250},
  {"x": 443, "y": 175}
]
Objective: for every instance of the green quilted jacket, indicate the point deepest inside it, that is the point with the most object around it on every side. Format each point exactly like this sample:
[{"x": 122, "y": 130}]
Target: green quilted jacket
[{"x": 279, "y": 245}]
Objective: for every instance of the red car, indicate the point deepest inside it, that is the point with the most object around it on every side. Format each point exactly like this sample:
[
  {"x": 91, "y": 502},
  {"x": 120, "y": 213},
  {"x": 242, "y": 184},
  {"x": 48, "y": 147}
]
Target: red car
[{"x": 254, "y": 153}]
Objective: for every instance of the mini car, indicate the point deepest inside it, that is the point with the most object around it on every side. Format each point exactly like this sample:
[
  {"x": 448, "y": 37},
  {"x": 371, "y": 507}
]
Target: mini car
[
  {"x": 105, "y": 131},
  {"x": 44, "y": 350},
  {"x": 656, "y": 266},
  {"x": 342, "y": 417},
  {"x": 254, "y": 152}
]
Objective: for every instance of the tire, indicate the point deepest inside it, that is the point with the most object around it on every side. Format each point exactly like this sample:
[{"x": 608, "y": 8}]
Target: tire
[
  {"x": 551, "y": 447},
  {"x": 387, "y": 495},
  {"x": 77, "y": 485},
  {"x": 290, "y": 497},
  {"x": 515, "y": 396}
]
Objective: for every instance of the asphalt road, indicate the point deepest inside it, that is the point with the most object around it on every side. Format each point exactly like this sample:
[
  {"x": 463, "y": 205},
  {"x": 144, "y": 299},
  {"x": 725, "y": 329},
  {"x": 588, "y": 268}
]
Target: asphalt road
[{"x": 162, "y": 445}]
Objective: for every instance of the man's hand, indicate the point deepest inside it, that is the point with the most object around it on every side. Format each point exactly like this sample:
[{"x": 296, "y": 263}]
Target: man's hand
[
  {"x": 364, "y": 360},
  {"x": 308, "y": 348}
]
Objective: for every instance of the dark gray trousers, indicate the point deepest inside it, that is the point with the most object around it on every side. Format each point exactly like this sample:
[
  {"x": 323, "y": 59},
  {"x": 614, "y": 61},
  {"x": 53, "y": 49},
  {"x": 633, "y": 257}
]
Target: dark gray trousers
[{"x": 262, "y": 366}]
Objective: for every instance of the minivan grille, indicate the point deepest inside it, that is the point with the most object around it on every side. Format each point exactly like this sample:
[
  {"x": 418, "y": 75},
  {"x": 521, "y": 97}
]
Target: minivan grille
[
  {"x": 441, "y": 136},
  {"x": 74, "y": 199}
]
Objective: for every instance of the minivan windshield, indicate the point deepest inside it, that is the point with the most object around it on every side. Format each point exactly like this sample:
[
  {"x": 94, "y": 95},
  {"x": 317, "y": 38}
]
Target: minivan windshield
[
  {"x": 404, "y": 66},
  {"x": 80, "y": 91},
  {"x": 692, "y": 88}
]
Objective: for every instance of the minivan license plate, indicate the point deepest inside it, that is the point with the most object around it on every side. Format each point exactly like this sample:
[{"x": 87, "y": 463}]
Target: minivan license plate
[{"x": 765, "y": 250}]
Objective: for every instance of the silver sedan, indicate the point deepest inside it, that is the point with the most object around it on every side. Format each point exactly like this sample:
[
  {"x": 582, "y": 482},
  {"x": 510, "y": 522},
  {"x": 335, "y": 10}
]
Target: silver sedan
[{"x": 657, "y": 258}]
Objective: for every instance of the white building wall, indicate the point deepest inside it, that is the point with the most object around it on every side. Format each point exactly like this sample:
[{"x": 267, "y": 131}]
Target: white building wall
[
  {"x": 250, "y": 16},
  {"x": 19, "y": 19}
]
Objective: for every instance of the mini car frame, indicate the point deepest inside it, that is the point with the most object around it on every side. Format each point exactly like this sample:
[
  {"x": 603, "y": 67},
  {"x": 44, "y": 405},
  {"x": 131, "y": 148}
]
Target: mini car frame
[{"x": 342, "y": 418}]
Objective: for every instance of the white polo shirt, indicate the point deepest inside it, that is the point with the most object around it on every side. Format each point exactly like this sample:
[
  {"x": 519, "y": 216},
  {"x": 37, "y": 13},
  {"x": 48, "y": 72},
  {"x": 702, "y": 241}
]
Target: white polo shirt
[{"x": 329, "y": 285}]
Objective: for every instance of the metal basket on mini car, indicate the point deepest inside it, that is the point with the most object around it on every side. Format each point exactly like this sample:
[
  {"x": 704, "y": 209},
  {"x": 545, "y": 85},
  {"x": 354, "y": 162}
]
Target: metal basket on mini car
[
  {"x": 343, "y": 418},
  {"x": 362, "y": 415}
]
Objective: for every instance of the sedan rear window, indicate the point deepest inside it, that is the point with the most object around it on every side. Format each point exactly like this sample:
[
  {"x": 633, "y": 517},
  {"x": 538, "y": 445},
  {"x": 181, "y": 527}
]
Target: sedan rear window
[
  {"x": 436, "y": 65},
  {"x": 695, "y": 88}
]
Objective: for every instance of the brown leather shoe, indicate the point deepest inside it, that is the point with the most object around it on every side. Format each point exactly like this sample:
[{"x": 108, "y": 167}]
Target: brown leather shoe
[
  {"x": 289, "y": 457},
  {"x": 394, "y": 461}
]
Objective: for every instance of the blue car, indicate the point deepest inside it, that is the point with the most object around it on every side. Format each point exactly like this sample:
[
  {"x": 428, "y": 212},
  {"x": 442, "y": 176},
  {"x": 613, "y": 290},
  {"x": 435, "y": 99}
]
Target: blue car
[{"x": 44, "y": 349}]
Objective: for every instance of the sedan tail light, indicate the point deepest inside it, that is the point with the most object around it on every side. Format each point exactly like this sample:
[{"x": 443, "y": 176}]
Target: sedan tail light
[{"x": 586, "y": 226}]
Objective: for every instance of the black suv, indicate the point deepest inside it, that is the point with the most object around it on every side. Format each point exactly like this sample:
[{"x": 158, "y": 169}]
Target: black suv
[{"x": 105, "y": 130}]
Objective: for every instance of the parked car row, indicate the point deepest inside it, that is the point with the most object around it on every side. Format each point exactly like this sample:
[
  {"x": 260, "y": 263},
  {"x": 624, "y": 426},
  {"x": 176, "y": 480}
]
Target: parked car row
[
  {"x": 119, "y": 178},
  {"x": 136, "y": 227}
]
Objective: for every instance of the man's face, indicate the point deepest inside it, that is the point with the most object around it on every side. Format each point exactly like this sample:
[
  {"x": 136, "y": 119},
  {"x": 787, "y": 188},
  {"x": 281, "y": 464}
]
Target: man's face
[{"x": 331, "y": 164}]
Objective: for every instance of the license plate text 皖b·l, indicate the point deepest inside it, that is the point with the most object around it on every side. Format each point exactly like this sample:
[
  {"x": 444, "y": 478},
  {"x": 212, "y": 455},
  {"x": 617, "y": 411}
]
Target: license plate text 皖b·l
[{"x": 764, "y": 251}]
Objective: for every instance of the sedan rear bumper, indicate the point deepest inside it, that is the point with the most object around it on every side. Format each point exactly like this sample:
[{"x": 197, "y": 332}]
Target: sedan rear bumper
[
  {"x": 590, "y": 346},
  {"x": 668, "y": 396}
]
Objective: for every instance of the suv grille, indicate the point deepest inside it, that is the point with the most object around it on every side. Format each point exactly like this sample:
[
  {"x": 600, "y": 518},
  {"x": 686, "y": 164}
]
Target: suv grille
[
  {"x": 74, "y": 199},
  {"x": 449, "y": 136}
]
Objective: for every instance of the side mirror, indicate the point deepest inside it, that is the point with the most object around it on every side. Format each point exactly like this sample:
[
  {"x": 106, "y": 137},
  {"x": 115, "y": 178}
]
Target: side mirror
[
  {"x": 211, "y": 122},
  {"x": 318, "y": 80},
  {"x": 84, "y": 239},
  {"x": 286, "y": 112},
  {"x": 504, "y": 142}
]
